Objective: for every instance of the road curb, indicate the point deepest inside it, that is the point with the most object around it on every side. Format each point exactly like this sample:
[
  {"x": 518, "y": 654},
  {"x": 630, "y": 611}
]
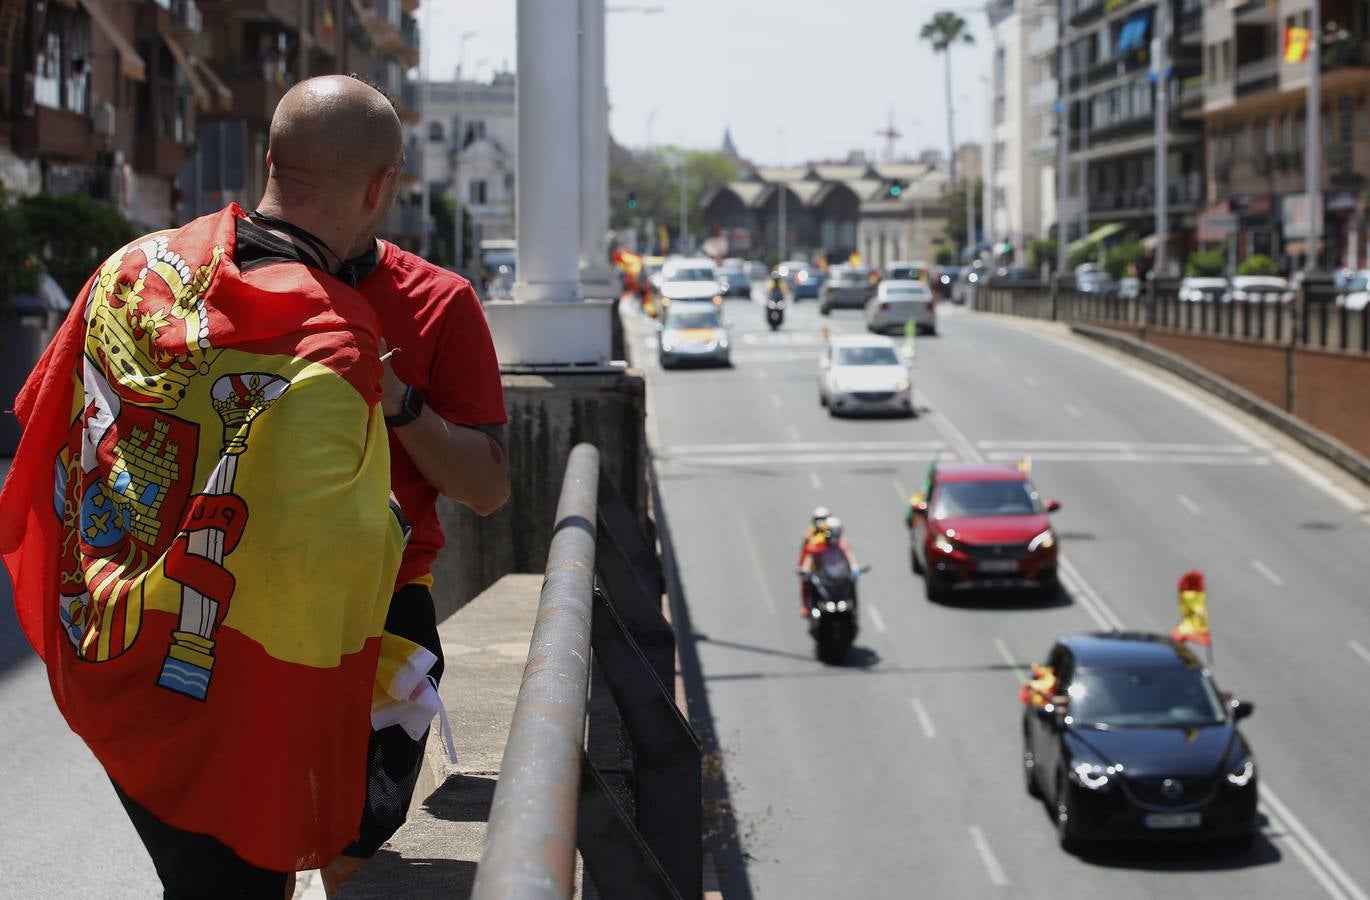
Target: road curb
[{"x": 1323, "y": 444}]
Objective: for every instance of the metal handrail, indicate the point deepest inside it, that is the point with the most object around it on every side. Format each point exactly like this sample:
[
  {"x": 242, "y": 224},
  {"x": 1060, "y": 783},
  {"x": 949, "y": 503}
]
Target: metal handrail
[{"x": 530, "y": 848}]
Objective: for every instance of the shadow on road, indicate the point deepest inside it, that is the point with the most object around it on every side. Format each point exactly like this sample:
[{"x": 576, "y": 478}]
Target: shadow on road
[{"x": 997, "y": 601}]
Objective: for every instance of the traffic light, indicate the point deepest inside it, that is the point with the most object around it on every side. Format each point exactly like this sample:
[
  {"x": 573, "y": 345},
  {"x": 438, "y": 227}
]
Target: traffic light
[
  {"x": 632, "y": 199},
  {"x": 895, "y": 191}
]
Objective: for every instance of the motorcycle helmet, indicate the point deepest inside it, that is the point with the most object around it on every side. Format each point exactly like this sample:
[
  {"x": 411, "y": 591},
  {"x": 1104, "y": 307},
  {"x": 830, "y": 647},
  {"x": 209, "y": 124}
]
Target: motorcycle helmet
[
  {"x": 834, "y": 526},
  {"x": 820, "y": 515}
]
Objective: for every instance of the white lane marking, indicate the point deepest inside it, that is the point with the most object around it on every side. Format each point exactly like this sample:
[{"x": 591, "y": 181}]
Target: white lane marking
[
  {"x": 1189, "y": 504},
  {"x": 1269, "y": 574},
  {"x": 1089, "y": 598},
  {"x": 1321, "y": 863},
  {"x": 1074, "y": 410},
  {"x": 793, "y": 459},
  {"x": 924, "y": 720},
  {"x": 878, "y": 622},
  {"x": 992, "y": 867},
  {"x": 1031, "y": 382},
  {"x": 815, "y": 480},
  {"x": 1360, "y": 651},
  {"x": 792, "y": 432},
  {"x": 775, "y": 400},
  {"x": 782, "y": 447},
  {"x": 1197, "y": 459},
  {"x": 1314, "y": 856},
  {"x": 960, "y": 444},
  {"x": 756, "y": 562}
]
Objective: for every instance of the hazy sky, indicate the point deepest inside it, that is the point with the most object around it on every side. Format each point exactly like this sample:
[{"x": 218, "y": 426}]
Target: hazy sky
[{"x": 826, "y": 74}]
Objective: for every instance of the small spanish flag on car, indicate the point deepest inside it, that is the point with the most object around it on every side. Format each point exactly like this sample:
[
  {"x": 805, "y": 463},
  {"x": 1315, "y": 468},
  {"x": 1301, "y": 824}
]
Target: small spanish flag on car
[
  {"x": 1193, "y": 611},
  {"x": 1038, "y": 690}
]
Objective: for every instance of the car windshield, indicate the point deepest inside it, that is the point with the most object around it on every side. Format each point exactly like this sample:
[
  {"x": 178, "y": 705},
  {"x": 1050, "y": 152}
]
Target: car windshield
[
  {"x": 731, "y": 272},
  {"x": 907, "y": 290},
  {"x": 904, "y": 273},
  {"x": 851, "y": 274},
  {"x": 985, "y": 498},
  {"x": 867, "y": 356},
  {"x": 1356, "y": 283},
  {"x": 690, "y": 275},
  {"x": 1144, "y": 698},
  {"x": 691, "y": 318}
]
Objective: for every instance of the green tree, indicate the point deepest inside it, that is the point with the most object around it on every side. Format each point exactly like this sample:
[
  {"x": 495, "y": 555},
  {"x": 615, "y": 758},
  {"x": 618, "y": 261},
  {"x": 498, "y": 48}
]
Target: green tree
[
  {"x": 955, "y": 199},
  {"x": 20, "y": 266},
  {"x": 1085, "y": 253},
  {"x": 73, "y": 234},
  {"x": 944, "y": 255},
  {"x": 1118, "y": 259},
  {"x": 941, "y": 31},
  {"x": 654, "y": 176},
  {"x": 1043, "y": 253},
  {"x": 1206, "y": 263},
  {"x": 1259, "y": 264}
]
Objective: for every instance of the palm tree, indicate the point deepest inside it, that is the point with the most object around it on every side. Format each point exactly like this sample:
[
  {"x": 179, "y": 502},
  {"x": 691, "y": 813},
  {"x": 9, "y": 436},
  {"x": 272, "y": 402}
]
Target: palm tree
[{"x": 943, "y": 30}]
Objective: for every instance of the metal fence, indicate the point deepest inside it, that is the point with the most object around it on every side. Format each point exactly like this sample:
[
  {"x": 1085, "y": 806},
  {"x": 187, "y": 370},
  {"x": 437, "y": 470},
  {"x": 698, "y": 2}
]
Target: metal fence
[
  {"x": 1313, "y": 320},
  {"x": 599, "y": 611}
]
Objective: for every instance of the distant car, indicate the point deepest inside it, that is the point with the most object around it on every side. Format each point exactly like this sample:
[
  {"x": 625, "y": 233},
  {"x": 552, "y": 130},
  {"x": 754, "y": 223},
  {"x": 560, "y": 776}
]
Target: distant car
[
  {"x": 983, "y": 527},
  {"x": 805, "y": 280},
  {"x": 1094, "y": 282},
  {"x": 1012, "y": 273},
  {"x": 970, "y": 278},
  {"x": 848, "y": 287},
  {"x": 1142, "y": 745},
  {"x": 689, "y": 279},
  {"x": 1200, "y": 290},
  {"x": 1355, "y": 294},
  {"x": 1129, "y": 288},
  {"x": 945, "y": 280},
  {"x": 733, "y": 281},
  {"x": 863, "y": 374},
  {"x": 692, "y": 333},
  {"x": 757, "y": 270},
  {"x": 1259, "y": 289},
  {"x": 896, "y": 302},
  {"x": 907, "y": 271}
]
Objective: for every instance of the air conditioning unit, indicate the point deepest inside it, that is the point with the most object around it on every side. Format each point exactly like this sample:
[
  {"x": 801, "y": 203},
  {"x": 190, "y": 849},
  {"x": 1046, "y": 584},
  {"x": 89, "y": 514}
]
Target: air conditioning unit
[{"x": 103, "y": 119}]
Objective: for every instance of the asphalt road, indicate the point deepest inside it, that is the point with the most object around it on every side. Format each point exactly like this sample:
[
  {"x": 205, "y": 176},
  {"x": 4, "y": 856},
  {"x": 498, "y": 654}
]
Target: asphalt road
[{"x": 899, "y": 774}]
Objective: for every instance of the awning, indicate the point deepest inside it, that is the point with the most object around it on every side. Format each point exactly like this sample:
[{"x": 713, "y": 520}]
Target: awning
[
  {"x": 212, "y": 78},
  {"x": 130, "y": 63},
  {"x": 1098, "y": 234},
  {"x": 1134, "y": 32},
  {"x": 178, "y": 53}
]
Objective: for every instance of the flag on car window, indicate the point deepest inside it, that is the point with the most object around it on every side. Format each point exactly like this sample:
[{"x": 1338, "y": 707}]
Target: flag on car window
[{"x": 1193, "y": 611}]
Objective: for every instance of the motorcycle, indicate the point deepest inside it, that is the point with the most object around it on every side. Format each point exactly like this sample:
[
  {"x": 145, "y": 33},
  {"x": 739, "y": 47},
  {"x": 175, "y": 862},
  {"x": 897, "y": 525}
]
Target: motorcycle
[
  {"x": 775, "y": 311},
  {"x": 832, "y": 610}
]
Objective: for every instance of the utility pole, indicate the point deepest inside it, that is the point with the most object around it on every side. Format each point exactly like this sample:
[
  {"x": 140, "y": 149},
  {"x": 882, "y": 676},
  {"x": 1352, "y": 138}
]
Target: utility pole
[
  {"x": 1313, "y": 150},
  {"x": 782, "y": 236},
  {"x": 1159, "y": 66},
  {"x": 684, "y": 214},
  {"x": 970, "y": 214},
  {"x": 1062, "y": 150}
]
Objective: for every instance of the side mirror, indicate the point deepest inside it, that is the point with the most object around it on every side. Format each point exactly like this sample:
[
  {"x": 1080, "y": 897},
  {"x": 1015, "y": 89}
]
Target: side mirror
[
  {"x": 1241, "y": 709},
  {"x": 1053, "y": 505}
]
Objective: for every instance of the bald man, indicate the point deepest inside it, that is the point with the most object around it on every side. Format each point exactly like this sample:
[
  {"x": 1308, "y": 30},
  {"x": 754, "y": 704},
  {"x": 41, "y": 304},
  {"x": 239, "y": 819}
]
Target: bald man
[{"x": 228, "y": 447}]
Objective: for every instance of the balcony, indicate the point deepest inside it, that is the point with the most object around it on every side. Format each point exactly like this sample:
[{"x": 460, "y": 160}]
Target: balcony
[
  {"x": 1143, "y": 199},
  {"x": 1252, "y": 12},
  {"x": 1043, "y": 94},
  {"x": 161, "y": 157},
  {"x": 186, "y": 18},
  {"x": 1043, "y": 40},
  {"x": 284, "y": 12},
  {"x": 53, "y": 133},
  {"x": 1192, "y": 91},
  {"x": 254, "y": 96},
  {"x": 1258, "y": 76},
  {"x": 1085, "y": 11}
]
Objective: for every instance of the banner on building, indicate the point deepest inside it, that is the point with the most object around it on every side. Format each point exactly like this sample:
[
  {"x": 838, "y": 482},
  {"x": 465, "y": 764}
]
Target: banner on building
[{"x": 1295, "y": 44}]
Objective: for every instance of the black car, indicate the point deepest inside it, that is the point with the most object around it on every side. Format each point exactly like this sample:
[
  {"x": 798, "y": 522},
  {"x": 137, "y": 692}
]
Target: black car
[
  {"x": 945, "y": 280},
  {"x": 1136, "y": 742}
]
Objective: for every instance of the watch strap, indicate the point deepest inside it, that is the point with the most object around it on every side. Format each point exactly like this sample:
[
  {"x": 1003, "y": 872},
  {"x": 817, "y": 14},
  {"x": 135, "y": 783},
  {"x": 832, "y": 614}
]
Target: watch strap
[{"x": 410, "y": 408}]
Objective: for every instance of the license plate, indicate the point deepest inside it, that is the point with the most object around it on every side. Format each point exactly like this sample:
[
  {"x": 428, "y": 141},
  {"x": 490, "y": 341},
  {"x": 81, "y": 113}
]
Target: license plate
[
  {"x": 1173, "y": 820},
  {"x": 999, "y": 565}
]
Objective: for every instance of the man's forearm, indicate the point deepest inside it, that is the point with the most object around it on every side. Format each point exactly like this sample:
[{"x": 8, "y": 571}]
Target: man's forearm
[{"x": 468, "y": 465}]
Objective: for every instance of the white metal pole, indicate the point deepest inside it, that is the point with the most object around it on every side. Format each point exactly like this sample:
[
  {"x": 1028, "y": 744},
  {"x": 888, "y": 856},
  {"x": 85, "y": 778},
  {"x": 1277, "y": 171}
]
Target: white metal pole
[
  {"x": 594, "y": 153},
  {"x": 1313, "y": 152},
  {"x": 781, "y": 228},
  {"x": 1062, "y": 150},
  {"x": 548, "y": 178},
  {"x": 684, "y": 213},
  {"x": 425, "y": 218},
  {"x": 1159, "y": 65}
]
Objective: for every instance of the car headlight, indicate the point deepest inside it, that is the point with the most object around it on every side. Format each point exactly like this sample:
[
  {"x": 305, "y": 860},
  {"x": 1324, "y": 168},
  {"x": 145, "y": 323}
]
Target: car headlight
[
  {"x": 1242, "y": 774},
  {"x": 723, "y": 342},
  {"x": 667, "y": 345},
  {"x": 903, "y": 385},
  {"x": 1044, "y": 541},
  {"x": 944, "y": 543},
  {"x": 718, "y": 300},
  {"x": 946, "y": 279},
  {"x": 1092, "y": 776}
]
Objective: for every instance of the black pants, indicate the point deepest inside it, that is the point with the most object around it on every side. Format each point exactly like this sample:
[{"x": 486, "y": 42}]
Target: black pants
[
  {"x": 394, "y": 759},
  {"x": 199, "y": 867}
]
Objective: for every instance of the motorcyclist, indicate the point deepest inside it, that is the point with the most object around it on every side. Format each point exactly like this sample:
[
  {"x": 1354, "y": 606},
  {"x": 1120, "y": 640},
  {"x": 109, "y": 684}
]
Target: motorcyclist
[
  {"x": 817, "y": 520},
  {"x": 825, "y": 549},
  {"x": 775, "y": 290}
]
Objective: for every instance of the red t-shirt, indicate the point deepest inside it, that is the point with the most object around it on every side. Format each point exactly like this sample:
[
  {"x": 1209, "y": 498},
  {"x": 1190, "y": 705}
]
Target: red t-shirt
[{"x": 434, "y": 317}]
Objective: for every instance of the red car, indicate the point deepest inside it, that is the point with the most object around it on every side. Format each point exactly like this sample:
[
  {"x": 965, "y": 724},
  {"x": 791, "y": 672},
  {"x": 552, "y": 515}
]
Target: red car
[{"x": 983, "y": 527}]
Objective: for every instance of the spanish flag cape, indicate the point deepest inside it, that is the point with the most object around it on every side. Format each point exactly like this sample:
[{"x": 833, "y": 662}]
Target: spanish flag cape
[{"x": 197, "y": 527}]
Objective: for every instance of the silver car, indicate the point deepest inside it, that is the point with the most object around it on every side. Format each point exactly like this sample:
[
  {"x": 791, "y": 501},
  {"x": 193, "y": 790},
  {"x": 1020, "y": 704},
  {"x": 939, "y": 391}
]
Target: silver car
[
  {"x": 693, "y": 333},
  {"x": 848, "y": 286},
  {"x": 896, "y": 303},
  {"x": 864, "y": 374}
]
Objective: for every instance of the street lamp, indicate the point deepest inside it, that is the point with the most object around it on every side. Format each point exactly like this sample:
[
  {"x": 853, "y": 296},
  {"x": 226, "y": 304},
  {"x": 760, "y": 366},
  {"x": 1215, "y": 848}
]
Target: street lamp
[{"x": 461, "y": 51}]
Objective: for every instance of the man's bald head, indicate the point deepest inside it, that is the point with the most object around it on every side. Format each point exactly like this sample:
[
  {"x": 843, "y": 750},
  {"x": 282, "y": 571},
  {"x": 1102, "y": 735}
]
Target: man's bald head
[{"x": 333, "y": 128}]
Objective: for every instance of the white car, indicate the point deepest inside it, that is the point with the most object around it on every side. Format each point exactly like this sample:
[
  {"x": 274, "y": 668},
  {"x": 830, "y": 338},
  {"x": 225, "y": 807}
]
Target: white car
[
  {"x": 1197, "y": 290},
  {"x": 896, "y": 302},
  {"x": 1259, "y": 289},
  {"x": 1355, "y": 294},
  {"x": 689, "y": 279},
  {"x": 864, "y": 374}
]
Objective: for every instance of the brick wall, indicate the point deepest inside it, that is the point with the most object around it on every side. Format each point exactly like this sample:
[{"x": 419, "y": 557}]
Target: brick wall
[
  {"x": 1332, "y": 393},
  {"x": 1258, "y": 368}
]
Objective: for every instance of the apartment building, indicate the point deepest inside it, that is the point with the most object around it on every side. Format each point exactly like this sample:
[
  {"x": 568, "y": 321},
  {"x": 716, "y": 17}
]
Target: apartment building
[
  {"x": 1112, "y": 95},
  {"x": 1254, "y": 114}
]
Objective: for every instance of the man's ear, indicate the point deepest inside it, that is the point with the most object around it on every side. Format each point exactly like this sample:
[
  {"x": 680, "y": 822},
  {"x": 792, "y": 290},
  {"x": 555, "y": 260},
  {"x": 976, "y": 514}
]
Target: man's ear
[
  {"x": 376, "y": 188},
  {"x": 268, "y": 162}
]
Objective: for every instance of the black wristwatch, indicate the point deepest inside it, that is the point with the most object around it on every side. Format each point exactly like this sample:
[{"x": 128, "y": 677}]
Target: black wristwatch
[{"x": 409, "y": 409}]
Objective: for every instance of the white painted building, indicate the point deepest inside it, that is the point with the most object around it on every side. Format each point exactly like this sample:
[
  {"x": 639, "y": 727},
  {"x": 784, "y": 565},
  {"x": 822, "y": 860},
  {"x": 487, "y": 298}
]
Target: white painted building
[{"x": 468, "y": 137}]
